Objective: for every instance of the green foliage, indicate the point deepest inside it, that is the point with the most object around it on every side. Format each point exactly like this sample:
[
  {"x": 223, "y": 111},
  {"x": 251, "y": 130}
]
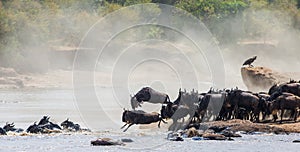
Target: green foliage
[{"x": 29, "y": 24}]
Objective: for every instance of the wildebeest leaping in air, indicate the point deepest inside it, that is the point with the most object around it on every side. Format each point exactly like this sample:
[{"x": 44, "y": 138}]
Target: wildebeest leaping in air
[{"x": 249, "y": 61}]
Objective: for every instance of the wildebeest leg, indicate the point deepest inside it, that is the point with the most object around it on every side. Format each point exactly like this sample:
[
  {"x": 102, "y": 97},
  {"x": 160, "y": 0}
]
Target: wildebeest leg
[
  {"x": 297, "y": 112},
  {"x": 274, "y": 114},
  {"x": 256, "y": 115},
  {"x": 127, "y": 127},
  {"x": 281, "y": 115},
  {"x": 161, "y": 120},
  {"x": 123, "y": 126},
  {"x": 159, "y": 124},
  {"x": 294, "y": 114}
]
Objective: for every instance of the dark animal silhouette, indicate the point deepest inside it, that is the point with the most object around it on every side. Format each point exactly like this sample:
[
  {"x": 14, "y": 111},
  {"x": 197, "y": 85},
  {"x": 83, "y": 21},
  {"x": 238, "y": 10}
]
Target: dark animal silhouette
[
  {"x": 2, "y": 131},
  {"x": 285, "y": 102},
  {"x": 11, "y": 127},
  {"x": 44, "y": 120},
  {"x": 175, "y": 112},
  {"x": 289, "y": 87},
  {"x": 250, "y": 61},
  {"x": 69, "y": 125},
  {"x": 43, "y": 125},
  {"x": 211, "y": 104},
  {"x": 34, "y": 128},
  {"x": 246, "y": 100},
  {"x": 150, "y": 95},
  {"x": 140, "y": 117}
]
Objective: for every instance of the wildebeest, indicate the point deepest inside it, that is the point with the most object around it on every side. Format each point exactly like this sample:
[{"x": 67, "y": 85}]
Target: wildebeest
[
  {"x": 43, "y": 125},
  {"x": 69, "y": 125},
  {"x": 285, "y": 102},
  {"x": 175, "y": 112},
  {"x": 184, "y": 105},
  {"x": 147, "y": 94},
  {"x": 289, "y": 87},
  {"x": 2, "y": 131},
  {"x": 11, "y": 127},
  {"x": 140, "y": 117},
  {"x": 249, "y": 61},
  {"x": 211, "y": 105},
  {"x": 246, "y": 100},
  {"x": 34, "y": 128}
]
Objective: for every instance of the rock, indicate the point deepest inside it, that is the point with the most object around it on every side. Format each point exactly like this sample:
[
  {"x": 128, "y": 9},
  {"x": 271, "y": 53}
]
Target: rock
[
  {"x": 174, "y": 136},
  {"x": 126, "y": 140},
  {"x": 176, "y": 139},
  {"x": 217, "y": 128},
  {"x": 105, "y": 142},
  {"x": 192, "y": 132},
  {"x": 229, "y": 133},
  {"x": 210, "y": 136},
  {"x": 296, "y": 141},
  {"x": 197, "y": 138},
  {"x": 261, "y": 78}
]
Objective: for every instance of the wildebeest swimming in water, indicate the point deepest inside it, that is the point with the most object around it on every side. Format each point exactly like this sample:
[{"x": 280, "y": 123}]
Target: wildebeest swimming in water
[
  {"x": 11, "y": 127},
  {"x": 71, "y": 126},
  {"x": 140, "y": 117},
  {"x": 250, "y": 61},
  {"x": 34, "y": 128},
  {"x": 147, "y": 94},
  {"x": 43, "y": 126},
  {"x": 2, "y": 131}
]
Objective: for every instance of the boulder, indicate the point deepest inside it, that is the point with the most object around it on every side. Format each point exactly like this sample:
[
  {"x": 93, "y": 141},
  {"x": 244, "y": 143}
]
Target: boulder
[
  {"x": 210, "y": 136},
  {"x": 105, "y": 142}
]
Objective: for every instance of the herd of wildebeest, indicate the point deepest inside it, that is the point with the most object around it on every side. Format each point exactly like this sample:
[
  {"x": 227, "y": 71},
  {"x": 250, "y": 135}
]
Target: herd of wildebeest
[
  {"x": 281, "y": 99},
  {"x": 43, "y": 126}
]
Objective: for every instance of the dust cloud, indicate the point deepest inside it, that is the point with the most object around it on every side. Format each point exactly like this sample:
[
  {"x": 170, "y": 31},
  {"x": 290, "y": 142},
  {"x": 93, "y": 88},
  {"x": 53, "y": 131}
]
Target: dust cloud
[{"x": 269, "y": 34}]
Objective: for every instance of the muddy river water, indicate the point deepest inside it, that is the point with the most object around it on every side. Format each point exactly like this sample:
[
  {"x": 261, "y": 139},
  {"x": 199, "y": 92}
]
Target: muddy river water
[{"x": 26, "y": 106}]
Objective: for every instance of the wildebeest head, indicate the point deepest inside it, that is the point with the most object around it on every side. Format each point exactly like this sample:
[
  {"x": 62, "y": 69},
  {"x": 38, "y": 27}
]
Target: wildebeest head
[
  {"x": 167, "y": 111},
  {"x": 65, "y": 124},
  {"x": 163, "y": 112},
  {"x": 274, "y": 88},
  {"x": 33, "y": 128},
  {"x": 44, "y": 120},
  {"x": 134, "y": 103},
  {"x": 9, "y": 127},
  {"x": 124, "y": 115}
]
